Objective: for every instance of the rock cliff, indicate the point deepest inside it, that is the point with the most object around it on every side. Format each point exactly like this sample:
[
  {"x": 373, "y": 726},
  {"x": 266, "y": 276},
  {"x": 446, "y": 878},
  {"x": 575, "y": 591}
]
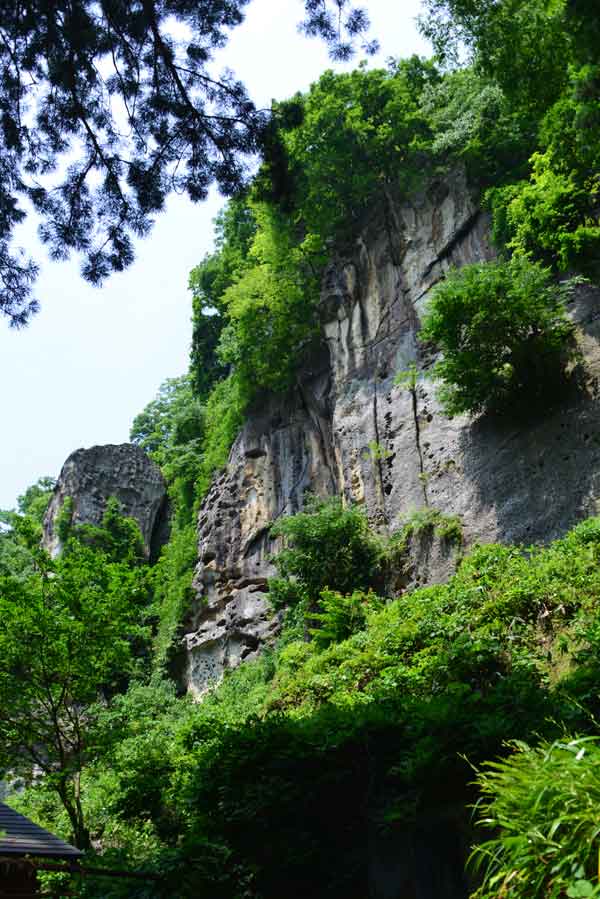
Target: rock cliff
[
  {"x": 347, "y": 429},
  {"x": 91, "y": 476}
]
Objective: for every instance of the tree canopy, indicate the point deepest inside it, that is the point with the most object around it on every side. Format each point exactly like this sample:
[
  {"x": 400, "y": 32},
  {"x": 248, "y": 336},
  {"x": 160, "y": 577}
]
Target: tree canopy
[
  {"x": 69, "y": 632},
  {"x": 106, "y": 107}
]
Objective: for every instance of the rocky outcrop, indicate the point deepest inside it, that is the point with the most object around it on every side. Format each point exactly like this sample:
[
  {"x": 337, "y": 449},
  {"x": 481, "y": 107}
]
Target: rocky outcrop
[
  {"x": 349, "y": 430},
  {"x": 278, "y": 456},
  {"x": 91, "y": 476}
]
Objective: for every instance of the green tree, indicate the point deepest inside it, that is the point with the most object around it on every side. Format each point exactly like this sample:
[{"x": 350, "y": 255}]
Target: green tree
[
  {"x": 553, "y": 215},
  {"x": 523, "y": 45},
  {"x": 473, "y": 121},
  {"x": 270, "y": 307},
  {"x": 72, "y": 74},
  {"x": 171, "y": 430},
  {"x": 34, "y": 501},
  {"x": 543, "y": 56},
  {"x": 503, "y": 333},
  {"x": 325, "y": 546},
  {"x": 235, "y": 227},
  {"x": 15, "y": 553},
  {"x": 354, "y": 135},
  {"x": 69, "y": 633}
]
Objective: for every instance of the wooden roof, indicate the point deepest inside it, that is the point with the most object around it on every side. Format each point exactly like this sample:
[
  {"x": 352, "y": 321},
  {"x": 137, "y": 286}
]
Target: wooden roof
[{"x": 20, "y": 836}]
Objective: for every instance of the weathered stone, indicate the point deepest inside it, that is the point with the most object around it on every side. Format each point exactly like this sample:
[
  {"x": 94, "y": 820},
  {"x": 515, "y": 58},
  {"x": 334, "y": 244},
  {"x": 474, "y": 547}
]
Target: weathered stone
[
  {"x": 91, "y": 476},
  {"x": 514, "y": 483}
]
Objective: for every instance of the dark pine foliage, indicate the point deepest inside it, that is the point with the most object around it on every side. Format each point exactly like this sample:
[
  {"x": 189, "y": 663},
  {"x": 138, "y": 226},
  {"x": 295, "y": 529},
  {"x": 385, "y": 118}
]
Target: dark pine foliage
[
  {"x": 339, "y": 24},
  {"x": 106, "y": 106}
]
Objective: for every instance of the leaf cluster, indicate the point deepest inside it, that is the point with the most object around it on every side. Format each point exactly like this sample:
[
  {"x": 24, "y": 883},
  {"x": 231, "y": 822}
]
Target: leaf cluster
[
  {"x": 295, "y": 756},
  {"x": 504, "y": 335},
  {"x": 542, "y": 59},
  {"x": 539, "y": 805},
  {"x": 70, "y": 633},
  {"x": 106, "y": 111},
  {"x": 327, "y": 546},
  {"x": 172, "y": 429}
]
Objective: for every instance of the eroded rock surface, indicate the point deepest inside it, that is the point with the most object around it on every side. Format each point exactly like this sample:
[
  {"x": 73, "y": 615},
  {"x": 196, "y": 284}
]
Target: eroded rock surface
[
  {"x": 91, "y": 476},
  {"x": 349, "y": 430}
]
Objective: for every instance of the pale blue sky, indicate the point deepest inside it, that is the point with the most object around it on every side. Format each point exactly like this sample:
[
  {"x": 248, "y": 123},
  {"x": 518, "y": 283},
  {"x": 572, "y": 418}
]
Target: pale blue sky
[{"x": 93, "y": 358}]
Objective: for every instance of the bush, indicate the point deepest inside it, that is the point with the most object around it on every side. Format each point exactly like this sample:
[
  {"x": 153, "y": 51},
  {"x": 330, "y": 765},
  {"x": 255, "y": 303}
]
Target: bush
[
  {"x": 270, "y": 308},
  {"x": 550, "y": 217},
  {"x": 224, "y": 418},
  {"x": 350, "y": 138},
  {"x": 341, "y": 616},
  {"x": 427, "y": 522},
  {"x": 504, "y": 335},
  {"x": 327, "y": 546},
  {"x": 543, "y": 803},
  {"x": 171, "y": 580}
]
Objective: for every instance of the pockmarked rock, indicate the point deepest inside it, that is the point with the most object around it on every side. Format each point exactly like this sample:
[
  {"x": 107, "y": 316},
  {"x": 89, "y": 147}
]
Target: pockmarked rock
[
  {"x": 90, "y": 477},
  {"x": 348, "y": 429}
]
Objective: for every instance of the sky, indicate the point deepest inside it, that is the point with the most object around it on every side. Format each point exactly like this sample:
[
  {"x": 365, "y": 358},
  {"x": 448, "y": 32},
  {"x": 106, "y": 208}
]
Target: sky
[{"x": 94, "y": 357}]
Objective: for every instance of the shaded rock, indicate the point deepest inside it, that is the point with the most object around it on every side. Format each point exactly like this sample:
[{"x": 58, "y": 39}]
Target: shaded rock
[
  {"x": 282, "y": 452},
  {"x": 509, "y": 482},
  {"x": 317, "y": 437},
  {"x": 91, "y": 476}
]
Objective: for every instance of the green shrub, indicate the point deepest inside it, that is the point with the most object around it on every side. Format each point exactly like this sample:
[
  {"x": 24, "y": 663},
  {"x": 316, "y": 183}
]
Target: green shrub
[
  {"x": 301, "y": 739},
  {"x": 36, "y": 498},
  {"x": 472, "y": 121},
  {"x": 341, "y": 616},
  {"x": 224, "y": 416},
  {"x": 543, "y": 805},
  {"x": 327, "y": 546},
  {"x": 270, "y": 307},
  {"x": 550, "y": 217},
  {"x": 553, "y": 215},
  {"x": 352, "y": 136},
  {"x": 429, "y": 520},
  {"x": 64, "y": 519},
  {"x": 504, "y": 335},
  {"x": 171, "y": 430},
  {"x": 171, "y": 581},
  {"x": 118, "y": 536}
]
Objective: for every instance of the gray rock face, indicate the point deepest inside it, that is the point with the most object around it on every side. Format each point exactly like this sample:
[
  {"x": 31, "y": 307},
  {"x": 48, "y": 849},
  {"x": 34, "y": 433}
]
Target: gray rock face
[
  {"x": 91, "y": 476},
  {"x": 513, "y": 483}
]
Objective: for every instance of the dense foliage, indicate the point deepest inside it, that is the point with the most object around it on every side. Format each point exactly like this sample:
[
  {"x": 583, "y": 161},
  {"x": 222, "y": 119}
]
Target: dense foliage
[
  {"x": 504, "y": 335},
  {"x": 541, "y": 806},
  {"x": 171, "y": 430},
  {"x": 16, "y": 557},
  {"x": 327, "y": 546},
  {"x": 344, "y": 143},
  {"x": 543, "y": 57},
  {"x": 108, "y": 107},
  {"x": 367, "y": 716},
  {"x": 304, "y": 753},
  {"x": 70, "y": 632}
]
